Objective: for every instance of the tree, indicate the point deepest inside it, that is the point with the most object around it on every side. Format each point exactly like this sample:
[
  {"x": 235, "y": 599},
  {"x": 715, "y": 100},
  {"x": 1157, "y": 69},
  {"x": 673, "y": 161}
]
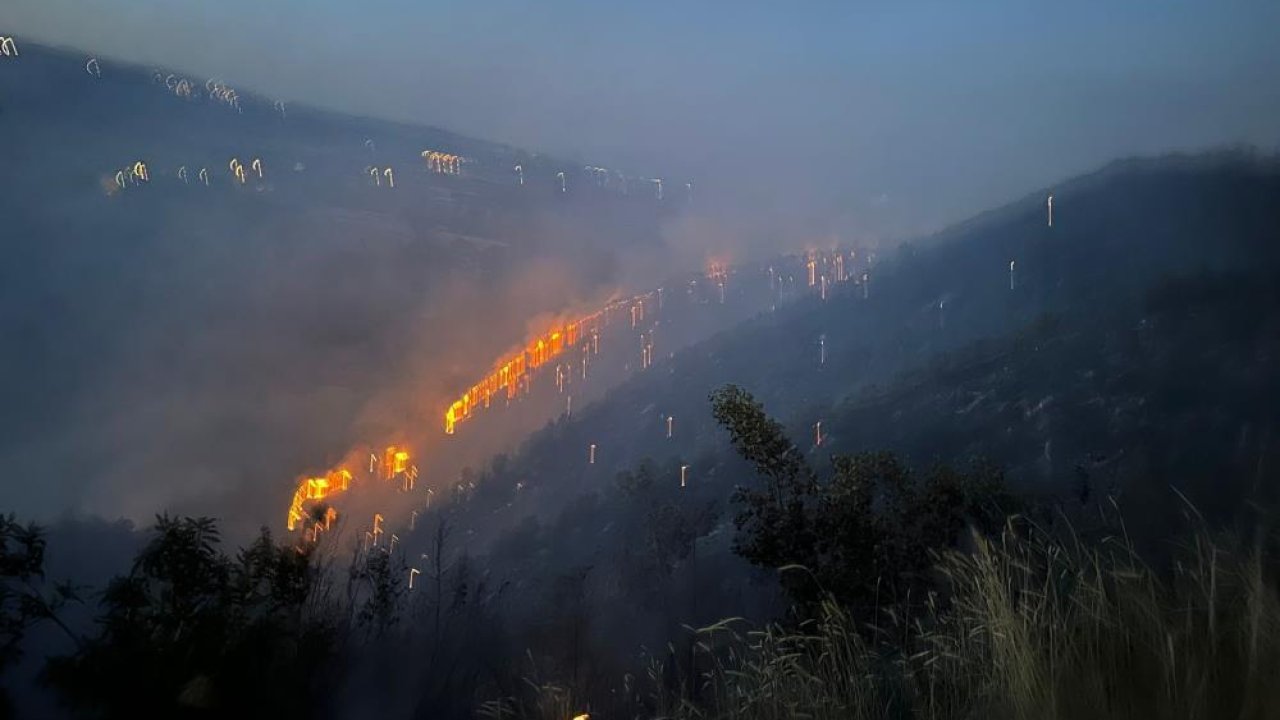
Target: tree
[
  {"x": 383, "y": 591},
  {"x": 23, "y": 603},
  {"x": 190, "y": 631},
  {"x": 867, "y": 534},
  {"x": 774, "y": 524},
  {"x": 659, "y": 532}
]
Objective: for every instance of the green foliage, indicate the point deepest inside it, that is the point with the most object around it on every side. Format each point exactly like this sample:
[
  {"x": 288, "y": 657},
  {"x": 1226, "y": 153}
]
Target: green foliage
[
  {"x": 382, "y": 592},
  {"x": 1038, "y": 627},
  {"x": 775, "y": 525},
  {"x": 21, "y": 563},
  {"x": 659, "y": 528},
  {"x": 191, "y": 631},
  {"x": 866, "y": 534},
  {"x": 761, "y": 440},
  {"x": 24, "y": 601}
]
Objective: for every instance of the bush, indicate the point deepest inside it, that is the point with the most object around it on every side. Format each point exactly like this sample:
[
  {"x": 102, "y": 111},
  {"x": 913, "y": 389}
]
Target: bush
[
  {"x": 865, "y": 534},
  {"x": 1037, "y": 628}
]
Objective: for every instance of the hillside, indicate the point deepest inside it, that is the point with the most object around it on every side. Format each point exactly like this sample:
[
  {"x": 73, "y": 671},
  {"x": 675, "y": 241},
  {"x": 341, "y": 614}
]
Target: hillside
[
  {"x": 945, "y": 300},
  {"x": 643, "y": 361},
  {"x": 1135, "y": 353},
  {"x": 157, "y": 315}
]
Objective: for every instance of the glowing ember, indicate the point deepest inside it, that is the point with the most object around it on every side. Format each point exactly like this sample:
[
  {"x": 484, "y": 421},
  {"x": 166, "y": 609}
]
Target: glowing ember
[
  {"x": 394, "y": 462},
  {"x": 313, "y": 489},
  {"x": 561, "y": 346},
  {"x": 510, "y": 375}
]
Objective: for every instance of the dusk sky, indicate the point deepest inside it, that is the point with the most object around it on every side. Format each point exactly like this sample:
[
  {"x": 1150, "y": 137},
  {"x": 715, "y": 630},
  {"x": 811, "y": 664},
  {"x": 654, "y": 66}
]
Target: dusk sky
[{"x": 921, "y": 112}]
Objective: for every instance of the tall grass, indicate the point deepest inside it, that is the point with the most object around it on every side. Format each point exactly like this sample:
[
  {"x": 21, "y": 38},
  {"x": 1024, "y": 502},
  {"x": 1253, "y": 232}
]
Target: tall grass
[
  {"x": 1032, "y": 626},
  {"x": 1045, "y": 629}
]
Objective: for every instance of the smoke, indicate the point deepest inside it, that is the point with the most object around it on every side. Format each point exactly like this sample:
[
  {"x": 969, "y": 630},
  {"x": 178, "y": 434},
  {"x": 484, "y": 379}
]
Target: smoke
[
  {"x": 197, "y": 349},
  {"x": 199, "y": 354},
  {"x": 946, "y": 109}
]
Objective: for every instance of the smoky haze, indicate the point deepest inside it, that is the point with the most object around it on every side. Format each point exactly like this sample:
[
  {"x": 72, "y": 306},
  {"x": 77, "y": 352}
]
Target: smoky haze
[
  {"x": 880, "y": 119},
  {"x": 840, "y": 122},
  {"x": 196, "y": 347},
  {"x": 1016, "y": 295}
]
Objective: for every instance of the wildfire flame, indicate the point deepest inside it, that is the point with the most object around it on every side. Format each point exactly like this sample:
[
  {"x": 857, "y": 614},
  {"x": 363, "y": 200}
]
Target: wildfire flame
[
  {"x": 394, "y": 462},
  {"x": 510, "y": 373},
  {"x": 314, "y": 489}
]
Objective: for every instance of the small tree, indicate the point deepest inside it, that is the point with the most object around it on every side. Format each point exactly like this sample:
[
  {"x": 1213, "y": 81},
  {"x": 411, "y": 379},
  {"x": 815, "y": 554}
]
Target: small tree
[
  {"x": 775, "y": 523},
  {"x": 23, "y": 602},
  {"x": 867, "y": 534},
  {"x": 191, "y": 629},
  {"x": 383, "y": 591}
]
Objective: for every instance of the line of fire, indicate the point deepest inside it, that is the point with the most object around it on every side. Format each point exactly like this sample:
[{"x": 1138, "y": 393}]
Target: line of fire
[{"x": 571, "y": 348}]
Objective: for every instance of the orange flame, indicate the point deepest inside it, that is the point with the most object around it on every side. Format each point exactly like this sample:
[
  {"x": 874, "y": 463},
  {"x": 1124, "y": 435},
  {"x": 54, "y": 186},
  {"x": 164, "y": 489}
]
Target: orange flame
[
  {"x": 395, "y": 461},
  {"x": 512, "y": 372},
  {"x": 312, "y": 489}
]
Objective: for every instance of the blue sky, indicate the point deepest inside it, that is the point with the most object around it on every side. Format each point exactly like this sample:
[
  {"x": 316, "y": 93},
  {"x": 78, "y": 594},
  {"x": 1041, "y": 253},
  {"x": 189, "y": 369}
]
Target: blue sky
[{"x": 942, "y": 108}]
